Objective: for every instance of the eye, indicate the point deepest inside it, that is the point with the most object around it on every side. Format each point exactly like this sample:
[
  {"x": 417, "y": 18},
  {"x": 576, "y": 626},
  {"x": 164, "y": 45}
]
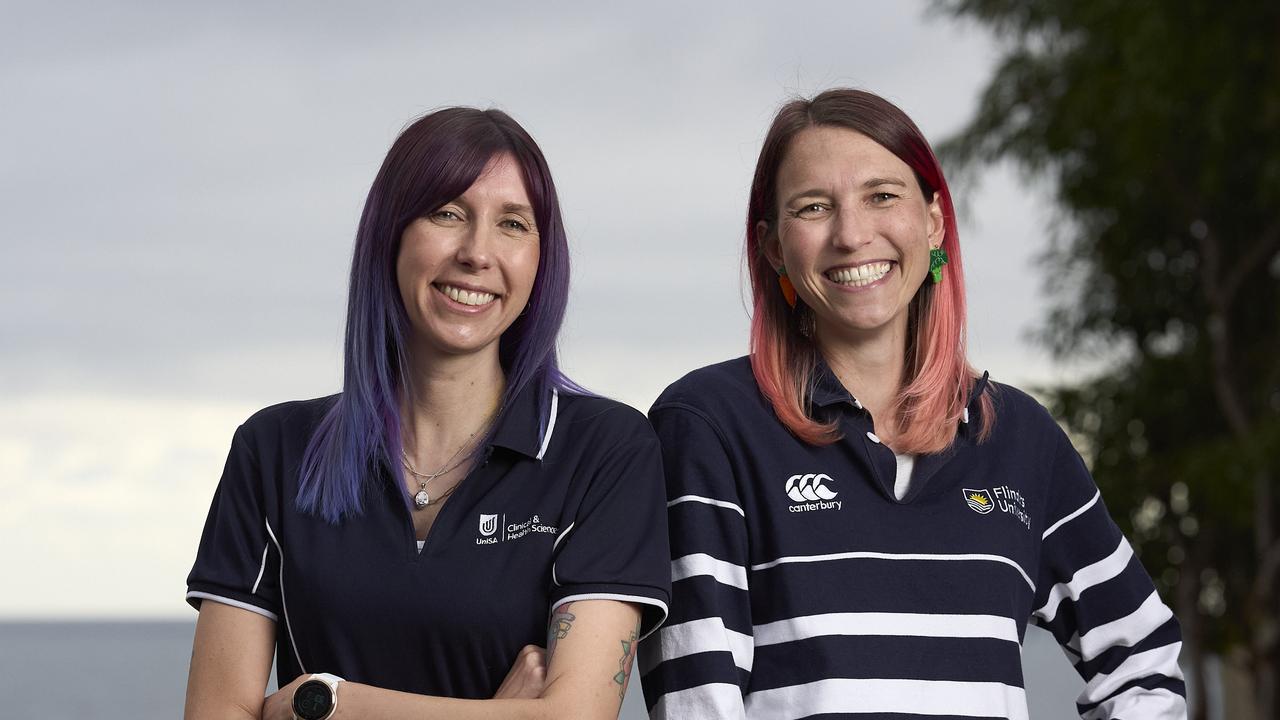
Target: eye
[
  {"x": 812, "y": 210},
  {"x": 881, "y": 198},
  {"x": 445, "y": 215},
  {"x": 515, "y": 224}
]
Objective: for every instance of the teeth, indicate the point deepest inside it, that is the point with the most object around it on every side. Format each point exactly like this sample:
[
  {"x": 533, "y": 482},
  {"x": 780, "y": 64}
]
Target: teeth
[
  {"x": 860, "y": 275},
  {"x": 467, "y": 297}
]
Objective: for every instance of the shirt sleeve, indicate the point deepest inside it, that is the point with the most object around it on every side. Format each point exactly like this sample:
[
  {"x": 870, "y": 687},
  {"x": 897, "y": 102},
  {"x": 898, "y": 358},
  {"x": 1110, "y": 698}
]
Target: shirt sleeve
[
  {"x": 238, "y": 562},
  {"x": 1097, "y": 600},
  {"x": 615, "y": 546},
  {"x": 701, "y": 662}
]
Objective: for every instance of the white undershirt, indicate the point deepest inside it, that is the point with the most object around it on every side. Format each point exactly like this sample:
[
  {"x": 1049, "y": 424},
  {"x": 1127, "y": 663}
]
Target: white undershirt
[{"x": 902, "y": 480}]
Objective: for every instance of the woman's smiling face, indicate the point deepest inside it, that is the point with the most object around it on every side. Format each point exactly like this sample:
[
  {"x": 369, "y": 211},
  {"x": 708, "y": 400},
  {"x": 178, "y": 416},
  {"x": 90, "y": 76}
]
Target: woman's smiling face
[
  {"x": 466, "y": 270},
  {"x": 853, "y": 230}
]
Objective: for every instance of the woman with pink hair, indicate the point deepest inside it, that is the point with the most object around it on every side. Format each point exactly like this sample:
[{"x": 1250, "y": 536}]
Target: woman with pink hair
[{"x": 861, "y": 524}]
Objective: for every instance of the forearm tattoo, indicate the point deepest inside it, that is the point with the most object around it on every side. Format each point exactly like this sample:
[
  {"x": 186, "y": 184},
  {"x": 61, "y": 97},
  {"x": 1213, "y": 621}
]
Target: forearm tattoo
[
  {"x": 560, "y": 625},
  {"x": 624, "y": 664}
]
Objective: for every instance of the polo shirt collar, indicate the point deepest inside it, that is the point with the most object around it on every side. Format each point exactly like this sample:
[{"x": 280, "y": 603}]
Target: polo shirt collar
[
  {"x": 520, "y": 425},
  {"x": 825, "y": 389}
]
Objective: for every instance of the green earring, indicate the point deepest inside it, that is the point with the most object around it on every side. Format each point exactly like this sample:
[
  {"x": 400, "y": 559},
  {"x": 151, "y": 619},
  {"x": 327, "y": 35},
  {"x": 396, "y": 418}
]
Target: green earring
[{"x": 937, "y": 258}]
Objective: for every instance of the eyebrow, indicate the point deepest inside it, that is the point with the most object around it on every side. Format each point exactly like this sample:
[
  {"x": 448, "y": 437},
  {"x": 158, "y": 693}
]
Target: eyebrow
[
  {"x": 870, "y": 183},
  {"x": 516, "y": 208},
  {"x": 874, "y": 182}
]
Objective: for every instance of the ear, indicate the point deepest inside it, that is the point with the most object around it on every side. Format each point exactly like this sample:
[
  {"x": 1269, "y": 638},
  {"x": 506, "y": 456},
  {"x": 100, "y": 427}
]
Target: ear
[
  {"x": 767, "y": 241},
  {"x": 937, "y": 224}
]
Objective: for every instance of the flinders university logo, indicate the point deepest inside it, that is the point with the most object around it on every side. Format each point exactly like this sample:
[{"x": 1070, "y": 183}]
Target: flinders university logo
[
  {"x": 979, "y": 500},
  {"x": 811, "y": 491},
  {"x": 488, "y": 524}
]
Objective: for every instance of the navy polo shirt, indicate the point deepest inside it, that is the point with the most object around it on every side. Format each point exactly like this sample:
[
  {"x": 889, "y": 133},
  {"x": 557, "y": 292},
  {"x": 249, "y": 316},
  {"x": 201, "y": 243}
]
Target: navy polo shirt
[
  {"x": 802, "y": 587},
  {"x": 574, "y": 511}
]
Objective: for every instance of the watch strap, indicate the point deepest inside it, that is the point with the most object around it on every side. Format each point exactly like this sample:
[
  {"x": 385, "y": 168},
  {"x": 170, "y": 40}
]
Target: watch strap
[{"x": 331, "y": 681}]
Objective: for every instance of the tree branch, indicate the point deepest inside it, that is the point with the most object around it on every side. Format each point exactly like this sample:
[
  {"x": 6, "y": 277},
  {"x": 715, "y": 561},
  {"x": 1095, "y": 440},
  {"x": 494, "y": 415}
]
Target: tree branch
[{"x": 1268, "y": 245}]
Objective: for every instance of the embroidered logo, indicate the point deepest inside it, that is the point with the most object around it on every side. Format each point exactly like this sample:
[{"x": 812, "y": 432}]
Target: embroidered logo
[
  {"x": 811, "y": 492},
  {"x": 979, "y": 500},
  {"x": 1002, "y": 498},
  {"x": 809, "y": 487},
  {"x": 495, "y": 529}
]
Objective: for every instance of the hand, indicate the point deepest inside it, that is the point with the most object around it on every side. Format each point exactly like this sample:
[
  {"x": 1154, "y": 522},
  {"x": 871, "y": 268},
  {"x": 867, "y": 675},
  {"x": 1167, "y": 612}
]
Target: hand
[
  {"x": 279, "y": 704},
  {"x": 527, "y": 677}
]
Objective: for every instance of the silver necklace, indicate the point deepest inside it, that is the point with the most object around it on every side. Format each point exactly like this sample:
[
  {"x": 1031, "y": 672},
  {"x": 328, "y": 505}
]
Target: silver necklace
[{"x": 423, "y": 498}]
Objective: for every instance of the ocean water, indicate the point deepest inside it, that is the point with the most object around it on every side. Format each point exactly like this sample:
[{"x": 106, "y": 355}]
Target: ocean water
[{"x": 138, "y": 671}]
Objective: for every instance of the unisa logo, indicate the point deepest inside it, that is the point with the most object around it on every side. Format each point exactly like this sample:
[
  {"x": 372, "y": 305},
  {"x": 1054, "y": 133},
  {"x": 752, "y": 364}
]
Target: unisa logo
[{"x": 488, "y": 524}]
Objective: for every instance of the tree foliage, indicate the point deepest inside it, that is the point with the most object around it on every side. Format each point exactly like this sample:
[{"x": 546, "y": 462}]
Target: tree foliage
[{"x": 1157, "y": 125}]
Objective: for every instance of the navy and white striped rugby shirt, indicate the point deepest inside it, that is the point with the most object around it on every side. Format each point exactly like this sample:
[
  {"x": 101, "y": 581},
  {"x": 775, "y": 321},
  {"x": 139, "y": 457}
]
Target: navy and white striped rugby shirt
[
  {"x": 802, "y": 588},
  {"x": 569, "y": 511}
]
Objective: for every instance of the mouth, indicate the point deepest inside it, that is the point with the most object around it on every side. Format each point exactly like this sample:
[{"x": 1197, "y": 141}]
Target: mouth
[
  {"x": 464, "y": 296},
  {"x": 861, "y": 275}
]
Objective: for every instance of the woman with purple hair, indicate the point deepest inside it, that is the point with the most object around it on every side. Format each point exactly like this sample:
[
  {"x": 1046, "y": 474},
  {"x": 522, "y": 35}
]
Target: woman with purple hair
[{"x": 402, "y": 547}]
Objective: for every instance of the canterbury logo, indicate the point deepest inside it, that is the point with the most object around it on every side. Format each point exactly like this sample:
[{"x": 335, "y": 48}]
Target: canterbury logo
[
  {"x": 979, "y": 500},
  {"x": 810, "y": 487}
]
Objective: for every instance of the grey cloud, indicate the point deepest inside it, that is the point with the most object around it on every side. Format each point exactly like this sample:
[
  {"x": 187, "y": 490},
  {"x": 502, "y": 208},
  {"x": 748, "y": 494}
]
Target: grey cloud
[{"x": 182, "y": 181}]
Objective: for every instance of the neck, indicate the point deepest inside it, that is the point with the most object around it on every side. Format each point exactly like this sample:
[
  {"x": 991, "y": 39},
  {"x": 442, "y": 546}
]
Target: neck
[
  {"x": 870, "y": 365},
  {"x": 449, "y": 399}
]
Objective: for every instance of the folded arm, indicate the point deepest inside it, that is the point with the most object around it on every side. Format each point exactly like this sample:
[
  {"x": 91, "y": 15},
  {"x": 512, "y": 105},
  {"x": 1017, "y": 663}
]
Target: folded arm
[{"x": 591, "y": 648}]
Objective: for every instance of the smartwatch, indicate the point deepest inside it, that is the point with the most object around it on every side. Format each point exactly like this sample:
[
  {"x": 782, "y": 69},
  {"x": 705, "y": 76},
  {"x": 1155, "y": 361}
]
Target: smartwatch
[{"x": 317, "y": 698}]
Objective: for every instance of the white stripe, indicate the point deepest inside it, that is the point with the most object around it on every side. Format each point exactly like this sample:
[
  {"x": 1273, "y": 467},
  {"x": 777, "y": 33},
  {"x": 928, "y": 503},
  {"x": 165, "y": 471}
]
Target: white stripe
[
  {"x": 1079, "y": 511},
  {"x": 707, "y": 501},
  {"x": 882, "y": 623},
  {"x": 713, "y": 700},
  {"x": 918, "y": 697},
  {"x": 1160, "y": 661},
  {"x": 562, "y": 535},
  {"x": 1155, "y": 704},
  {"x": 551, "y": 422},
  {"x": 261, "y": 568},
  {"x": 699, "y": 636},
  {"x": 1085, "y": 578},
  {"x": 895, "y": 556},
  {"x": 703, "y": 564},
  {"x": 283, "y": 606},
  {"x": 639, "y": 599},
  {"x": 556, "y": 544},
  {"x": 1128, "y": 630},
  {"x": 233, "y": 603}
]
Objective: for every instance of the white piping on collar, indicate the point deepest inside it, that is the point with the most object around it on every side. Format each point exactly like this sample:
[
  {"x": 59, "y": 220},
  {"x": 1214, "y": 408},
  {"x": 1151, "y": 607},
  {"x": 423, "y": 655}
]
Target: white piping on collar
[{"x": 551, "y": 423}]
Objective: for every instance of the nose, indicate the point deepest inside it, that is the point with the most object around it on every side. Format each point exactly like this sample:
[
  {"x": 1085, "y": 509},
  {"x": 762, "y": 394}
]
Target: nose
[
  {"x": 851, "y": 229},
  {"x": 475, "y": 251}
]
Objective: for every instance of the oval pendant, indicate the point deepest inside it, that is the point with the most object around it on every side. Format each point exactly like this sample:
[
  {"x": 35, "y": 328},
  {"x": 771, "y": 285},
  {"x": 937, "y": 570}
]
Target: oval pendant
[{"x": 422, "y": 499}]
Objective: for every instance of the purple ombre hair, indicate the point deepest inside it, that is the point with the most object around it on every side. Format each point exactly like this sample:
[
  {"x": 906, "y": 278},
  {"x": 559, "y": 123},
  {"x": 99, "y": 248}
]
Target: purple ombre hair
[{"x": 431, "y": 163}]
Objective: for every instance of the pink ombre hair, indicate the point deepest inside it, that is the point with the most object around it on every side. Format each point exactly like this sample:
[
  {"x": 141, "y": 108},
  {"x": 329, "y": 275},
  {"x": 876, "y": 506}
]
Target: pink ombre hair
[{"x": 938, "y": 377}]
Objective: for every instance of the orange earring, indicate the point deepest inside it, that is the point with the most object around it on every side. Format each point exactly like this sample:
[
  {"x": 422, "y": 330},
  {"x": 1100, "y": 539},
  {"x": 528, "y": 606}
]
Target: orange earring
[{"x": 788, "y": 290}]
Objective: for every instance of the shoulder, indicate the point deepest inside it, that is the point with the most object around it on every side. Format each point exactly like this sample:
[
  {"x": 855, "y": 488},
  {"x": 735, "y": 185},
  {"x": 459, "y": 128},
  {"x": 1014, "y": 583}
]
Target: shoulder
[
  {"x": 724, "y": 389},
  {"x": 600, "y": 419},
  {"x": 1019, "y": 406},
  {"x": 1023, "y": 422},
  {"x": 285, "y": 424}
]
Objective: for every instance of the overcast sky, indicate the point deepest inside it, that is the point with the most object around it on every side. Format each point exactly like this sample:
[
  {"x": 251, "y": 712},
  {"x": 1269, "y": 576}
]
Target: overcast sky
[{"x": 181, "y": 183}]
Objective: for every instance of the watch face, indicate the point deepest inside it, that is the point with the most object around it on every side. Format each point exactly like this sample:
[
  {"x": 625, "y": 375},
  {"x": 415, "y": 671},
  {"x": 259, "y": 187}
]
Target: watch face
[{"x": 312, "y": 700}]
